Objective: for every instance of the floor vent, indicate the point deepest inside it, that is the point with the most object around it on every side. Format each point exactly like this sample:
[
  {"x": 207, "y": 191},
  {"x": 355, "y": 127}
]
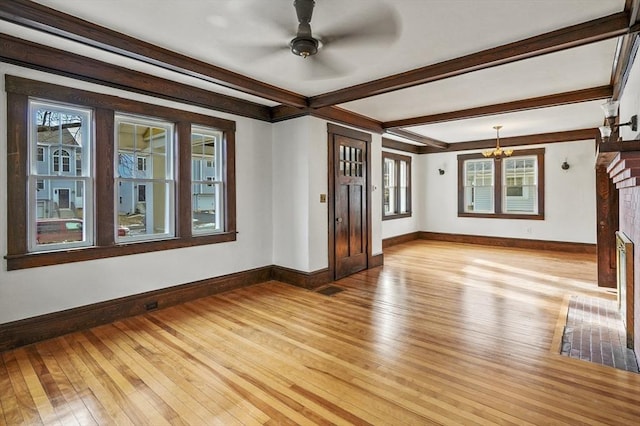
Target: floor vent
[{"x": 330, "y": 290}]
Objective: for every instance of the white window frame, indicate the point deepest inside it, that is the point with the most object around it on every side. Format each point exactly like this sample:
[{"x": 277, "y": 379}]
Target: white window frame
[
  {"x": 169, "y": 180},
  {"x": 467, "y": 202},
  {"x": 527, "y": 190},
  {"x": 86, "y": 177},
  {"x": 205, "y": 178}
]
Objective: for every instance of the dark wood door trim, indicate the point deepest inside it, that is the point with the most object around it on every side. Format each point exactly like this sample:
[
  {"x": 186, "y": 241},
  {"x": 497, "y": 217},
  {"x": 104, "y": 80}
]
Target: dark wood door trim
[{"x": 335, "y": 130}]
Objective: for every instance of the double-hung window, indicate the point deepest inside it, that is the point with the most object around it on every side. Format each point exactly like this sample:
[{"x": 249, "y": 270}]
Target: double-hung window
[
  {"x": 99, "y": 176},
  {"x": 509, "y": 187},
  {"x": 207, "y": 181},
  {"x": 145, "y": 184},
  {"x": 60, "y": 198},
  {"x": 396, "y": 185}
]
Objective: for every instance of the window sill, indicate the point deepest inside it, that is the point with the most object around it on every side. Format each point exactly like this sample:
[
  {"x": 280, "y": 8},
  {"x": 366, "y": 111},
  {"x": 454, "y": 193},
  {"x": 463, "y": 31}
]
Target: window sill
[
  {"x": 34, "y": 260},
  {"x": 396, "y": 216},
  {"x": 503, "y": 216}
]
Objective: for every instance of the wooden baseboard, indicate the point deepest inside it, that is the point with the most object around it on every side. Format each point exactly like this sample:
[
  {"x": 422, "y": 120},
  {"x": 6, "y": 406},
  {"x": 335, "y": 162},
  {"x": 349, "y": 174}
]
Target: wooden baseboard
[
  {"x": 400, "y": 239},
  {"x": 376, "y": 260},
  {"x": 31, "y": 330},
  {"x": 511, "y": 242},
  {"x": 308, "y": 280}
]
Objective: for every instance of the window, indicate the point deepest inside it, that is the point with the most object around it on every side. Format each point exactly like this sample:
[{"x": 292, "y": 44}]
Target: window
[
  {"x": 145, "y": 185},
  {"x": 512, "y": 187},
  {"x": 65, "y": 129},
  {"x": 108, "y": 177},
  {"x": 61, "y": 156},
  {"x": 207, "y": 211},
  {"x": 396, "y": 184}
]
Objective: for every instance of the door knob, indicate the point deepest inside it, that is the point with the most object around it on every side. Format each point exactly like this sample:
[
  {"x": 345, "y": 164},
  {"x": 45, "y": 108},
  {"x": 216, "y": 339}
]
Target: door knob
[{"x": 339, "y": 220}]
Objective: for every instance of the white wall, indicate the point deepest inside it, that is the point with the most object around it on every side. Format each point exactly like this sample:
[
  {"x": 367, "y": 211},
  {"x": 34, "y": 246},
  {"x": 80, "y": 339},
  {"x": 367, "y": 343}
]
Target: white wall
[
  {"x": 35, "y": 291},
  {"x": 570, "y": 203},
  {"x": 300, "y": 175}
]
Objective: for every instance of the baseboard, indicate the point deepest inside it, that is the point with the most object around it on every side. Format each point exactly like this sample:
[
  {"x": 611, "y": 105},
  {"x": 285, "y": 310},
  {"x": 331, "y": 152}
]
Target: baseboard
[
  {"x": 400, "y": 239},
  {"x": 308, "y": 280},
  {"x": 31, "y": 330},
  {"x": 376, "y": 260},
  {"x": 511, "y": 242}
]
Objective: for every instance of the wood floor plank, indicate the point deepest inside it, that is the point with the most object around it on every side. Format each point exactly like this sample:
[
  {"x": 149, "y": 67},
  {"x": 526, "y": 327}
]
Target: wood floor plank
[
  {"x": 25, "y": 404},
  {"x": 443, "y": 333}
]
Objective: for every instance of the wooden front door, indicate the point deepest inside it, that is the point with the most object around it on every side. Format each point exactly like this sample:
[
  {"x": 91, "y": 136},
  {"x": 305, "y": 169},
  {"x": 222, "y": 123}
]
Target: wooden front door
[{"x": 350, "y": 205}]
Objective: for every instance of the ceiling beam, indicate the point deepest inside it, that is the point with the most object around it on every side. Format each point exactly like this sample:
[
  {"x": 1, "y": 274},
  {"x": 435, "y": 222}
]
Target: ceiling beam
[
  {"x": 285, "y": 112},
  {"x": 565, "y": 98},
  {"x": 554, "y": 41},
  {"x": 542, "y": 138},
  {"x": 418, "y": 138},
  {"x": 400, "y": 146},
  {"x": 626, "y": 50},
  {"x": 32, "y": 55},
  {"x": 36, "y": 16}
]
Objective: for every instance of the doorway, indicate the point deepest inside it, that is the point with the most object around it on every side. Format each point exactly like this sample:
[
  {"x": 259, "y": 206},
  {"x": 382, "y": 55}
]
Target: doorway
[{"x": 349, "y": 201}]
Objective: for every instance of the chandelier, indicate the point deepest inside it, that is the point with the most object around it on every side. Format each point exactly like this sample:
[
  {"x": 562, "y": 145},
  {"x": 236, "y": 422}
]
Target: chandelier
[{"x": 497, "y": 152}]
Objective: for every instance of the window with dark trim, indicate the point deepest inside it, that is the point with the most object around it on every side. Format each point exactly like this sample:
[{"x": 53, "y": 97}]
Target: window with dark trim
[
  {"x": 396, "y": 186},
  {"x": 508, "y": 188},
  {"x": 110, "y": 235}
]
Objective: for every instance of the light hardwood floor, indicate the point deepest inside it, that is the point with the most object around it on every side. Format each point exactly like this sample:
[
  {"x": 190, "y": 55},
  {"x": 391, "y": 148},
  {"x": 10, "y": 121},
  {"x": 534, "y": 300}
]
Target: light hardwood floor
[{"x": 442, "y": 334}]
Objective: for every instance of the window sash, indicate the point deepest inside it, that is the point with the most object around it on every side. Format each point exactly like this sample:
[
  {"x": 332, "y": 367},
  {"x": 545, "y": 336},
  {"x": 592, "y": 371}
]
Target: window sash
[
  {"x": 53, "y": 200},
  {"x": 518, "y": 185},
  {"x": 144, "y": 150},
  {"x": 396, "y": 185},
  {"x": 478, "y": 186},
  {"x": 20, "y": 95},
  {"x": 207, "y": 181}
]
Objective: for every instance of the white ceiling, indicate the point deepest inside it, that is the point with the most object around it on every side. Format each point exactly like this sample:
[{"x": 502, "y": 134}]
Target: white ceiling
[{"x": 234, "y": 34}]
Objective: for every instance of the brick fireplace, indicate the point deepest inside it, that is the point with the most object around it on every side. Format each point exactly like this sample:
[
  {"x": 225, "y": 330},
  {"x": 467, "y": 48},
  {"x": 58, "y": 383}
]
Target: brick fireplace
[{"x": 624, "y": 170}]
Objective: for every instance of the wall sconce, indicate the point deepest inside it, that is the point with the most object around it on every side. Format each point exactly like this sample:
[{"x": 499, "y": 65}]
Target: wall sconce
[
  {"x": 441, "y": 171},
  {"x": 610, "y": 109},
  {"x": 565, "y": 165}
]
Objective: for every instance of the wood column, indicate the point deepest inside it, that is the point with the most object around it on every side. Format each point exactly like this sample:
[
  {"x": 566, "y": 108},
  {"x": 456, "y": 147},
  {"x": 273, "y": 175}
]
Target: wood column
[{"x": 608, "y": 223}]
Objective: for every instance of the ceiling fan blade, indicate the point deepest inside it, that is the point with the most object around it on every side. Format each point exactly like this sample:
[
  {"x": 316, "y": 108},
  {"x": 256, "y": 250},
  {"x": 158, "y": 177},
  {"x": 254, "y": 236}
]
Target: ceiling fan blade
[
  {"x": 379, "y": 25},
  {"x": 322, "y": 67},
  {"x": 255, "y": 52}
]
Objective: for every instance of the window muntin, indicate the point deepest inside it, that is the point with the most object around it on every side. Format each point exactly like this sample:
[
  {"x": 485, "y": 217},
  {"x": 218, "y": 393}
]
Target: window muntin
[
  {"x": 396, "y": 185},
  {"x": 520, "y": 185},
  {"x": 513, "y": 190},
  {"x": 54, "y": 201},
  {"x": 144, "y": 179},
  {"x": 99, "y": 218},
  {"x": 478, "y": 186},
  {"x": 207, "y": 181}
]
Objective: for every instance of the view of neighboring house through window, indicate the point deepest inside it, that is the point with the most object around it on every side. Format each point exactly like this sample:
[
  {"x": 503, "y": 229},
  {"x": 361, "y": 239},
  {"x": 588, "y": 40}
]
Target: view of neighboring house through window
[
  {"x": 478, "y": 186},
  {"x": 98, "y": 176},
  {"x": 207, "y": 181},
  {"x": 510, "y": 187},
  {"x": 144, "y": 174},
  {"x": 396, "y": 183},
  {"x": 60, "y": 199},
  {"x": 520, "y": 192}
]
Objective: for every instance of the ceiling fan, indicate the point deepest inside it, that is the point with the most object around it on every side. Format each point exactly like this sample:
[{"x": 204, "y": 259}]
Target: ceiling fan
[{"x": 374, "y": 23}]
